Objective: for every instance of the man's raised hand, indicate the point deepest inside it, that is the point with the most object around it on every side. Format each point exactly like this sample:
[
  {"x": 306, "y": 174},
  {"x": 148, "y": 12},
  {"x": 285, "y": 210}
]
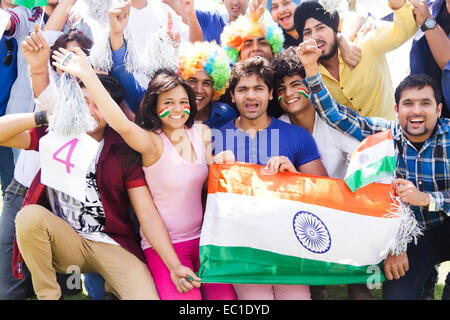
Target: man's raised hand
[{"x": 309, "y": 53}]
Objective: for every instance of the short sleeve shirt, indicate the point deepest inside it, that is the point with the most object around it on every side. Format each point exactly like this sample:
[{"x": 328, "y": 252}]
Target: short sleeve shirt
[{"x": 278, "y": 139}]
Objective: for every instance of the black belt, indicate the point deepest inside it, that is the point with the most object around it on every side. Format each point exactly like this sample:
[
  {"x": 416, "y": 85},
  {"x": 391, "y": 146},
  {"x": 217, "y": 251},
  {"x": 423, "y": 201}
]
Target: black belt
[{"x": 17, "y": 188}]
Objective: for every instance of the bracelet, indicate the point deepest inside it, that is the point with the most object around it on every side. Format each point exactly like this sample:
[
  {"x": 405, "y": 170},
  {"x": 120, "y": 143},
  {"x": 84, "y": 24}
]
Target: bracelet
[{"x": 40, "y": 118}]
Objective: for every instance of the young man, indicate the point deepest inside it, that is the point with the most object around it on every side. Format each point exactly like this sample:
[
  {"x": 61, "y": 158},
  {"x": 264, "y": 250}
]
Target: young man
[
  {"x": 52, "y": 243},
  {"x": 367, "y": 88},
  {"x": 335, "y": 148},
  {"x": 256, "y": 137},
  {"x": 282, "y": 12},
  {"x": 421, "y": 143},
  {"x": 244, "y": 39}
]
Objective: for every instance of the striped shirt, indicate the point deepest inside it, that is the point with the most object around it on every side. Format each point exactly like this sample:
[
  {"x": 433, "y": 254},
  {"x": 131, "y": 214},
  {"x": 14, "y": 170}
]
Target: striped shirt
[{"x": 428, "y": 168}]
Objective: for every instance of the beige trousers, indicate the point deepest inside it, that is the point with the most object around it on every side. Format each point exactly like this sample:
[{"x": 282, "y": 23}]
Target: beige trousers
[{"x": 49, "y": 244}]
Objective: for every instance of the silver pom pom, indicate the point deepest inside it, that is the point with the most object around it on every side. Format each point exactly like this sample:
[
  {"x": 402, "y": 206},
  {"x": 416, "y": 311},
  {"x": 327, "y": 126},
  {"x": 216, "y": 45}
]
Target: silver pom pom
[
  {"x": 98, "y": 9},
  {"x": 133, "y": 62},
  {"x": 410, "y": 229},
  {"x": 330, "y": 5},
  {"x": 161, "y": 52},
  {"x": 71, "y": 116},
  {"x": 100, "y": 55}
]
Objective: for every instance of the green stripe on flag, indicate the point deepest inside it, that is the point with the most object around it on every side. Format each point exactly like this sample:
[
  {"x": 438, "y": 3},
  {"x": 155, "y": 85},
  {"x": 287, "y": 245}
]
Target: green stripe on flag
[
  {"x": 248, "y": 265},
  {"x": 30, "y": 4},
  {"x": 370, "y": 173}
]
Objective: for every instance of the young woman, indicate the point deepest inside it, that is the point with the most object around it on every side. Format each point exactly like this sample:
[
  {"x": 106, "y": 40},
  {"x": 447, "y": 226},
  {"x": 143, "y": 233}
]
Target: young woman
[{"x": 175, "y": 154}]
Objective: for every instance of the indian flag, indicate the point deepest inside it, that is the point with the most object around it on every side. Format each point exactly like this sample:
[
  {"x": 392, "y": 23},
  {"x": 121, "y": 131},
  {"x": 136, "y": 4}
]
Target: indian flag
[
  {"x": 292, "y": 228},
  {"x": 372, "y": 161},
  {"x": 30, "y": 4}
]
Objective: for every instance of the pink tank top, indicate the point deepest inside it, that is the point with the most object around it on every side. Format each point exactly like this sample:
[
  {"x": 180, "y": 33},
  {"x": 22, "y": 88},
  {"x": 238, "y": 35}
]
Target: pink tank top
[{"x": 176, "y": 187}]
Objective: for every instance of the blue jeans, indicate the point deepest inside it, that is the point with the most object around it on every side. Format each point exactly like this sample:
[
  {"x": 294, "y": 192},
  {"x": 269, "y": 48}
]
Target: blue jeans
[
  {"x": 10, "y": 287},
  {"x": 6, "y": 167},
  {"x": 432, "y": 248}
]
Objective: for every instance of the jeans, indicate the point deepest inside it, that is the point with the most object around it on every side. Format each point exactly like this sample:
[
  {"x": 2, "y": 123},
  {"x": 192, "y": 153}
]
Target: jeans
[
  {"x": 432, "y": 248},
  {"x": 10, "y": 287},
  {"x": 6, "y": 167}
]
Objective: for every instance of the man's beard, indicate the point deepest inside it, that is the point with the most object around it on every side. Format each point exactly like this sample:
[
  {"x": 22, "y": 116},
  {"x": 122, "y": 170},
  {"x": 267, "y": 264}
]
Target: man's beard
[{"x": 332, "y": 52}]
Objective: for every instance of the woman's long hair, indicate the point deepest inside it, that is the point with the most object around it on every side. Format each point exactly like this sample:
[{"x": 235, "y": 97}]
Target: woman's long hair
[{"x": 147, "y": 116}]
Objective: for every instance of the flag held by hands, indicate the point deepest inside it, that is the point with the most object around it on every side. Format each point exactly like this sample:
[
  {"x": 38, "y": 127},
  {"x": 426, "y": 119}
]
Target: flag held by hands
[
  {"x": 292, "y": 228},
  {"x": 372, "y": 161}
]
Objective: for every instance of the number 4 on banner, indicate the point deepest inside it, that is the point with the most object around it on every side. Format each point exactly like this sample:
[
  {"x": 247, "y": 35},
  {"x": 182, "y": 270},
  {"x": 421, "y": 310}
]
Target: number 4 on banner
[{"x": 71, "y": 144}]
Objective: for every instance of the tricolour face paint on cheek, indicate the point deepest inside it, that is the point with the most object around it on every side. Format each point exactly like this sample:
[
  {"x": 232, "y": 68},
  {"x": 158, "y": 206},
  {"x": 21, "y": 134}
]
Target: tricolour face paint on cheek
[
  {"x": 164, "y": 112},
  {"x": 187, "y": 110},
  {"x": 303, "y": 92},
  {"x": 280, "y": 99}
]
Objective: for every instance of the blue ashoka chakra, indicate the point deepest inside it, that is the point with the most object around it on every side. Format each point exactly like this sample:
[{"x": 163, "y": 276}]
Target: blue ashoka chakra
[{"x": 311, "y": 232}]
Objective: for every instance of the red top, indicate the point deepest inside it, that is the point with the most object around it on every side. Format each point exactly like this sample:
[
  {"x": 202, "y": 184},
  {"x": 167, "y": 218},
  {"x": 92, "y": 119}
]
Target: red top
[{"x": 114, "y": 177}]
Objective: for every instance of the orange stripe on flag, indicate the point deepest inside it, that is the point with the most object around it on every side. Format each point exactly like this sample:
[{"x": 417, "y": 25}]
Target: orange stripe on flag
[
  {"x": 374, "y": 139},
  {"x": 253, "y": 180}
]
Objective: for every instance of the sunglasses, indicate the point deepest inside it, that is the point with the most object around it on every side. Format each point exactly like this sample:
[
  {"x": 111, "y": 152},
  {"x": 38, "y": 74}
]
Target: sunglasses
[{"x": 9, "y": 44}]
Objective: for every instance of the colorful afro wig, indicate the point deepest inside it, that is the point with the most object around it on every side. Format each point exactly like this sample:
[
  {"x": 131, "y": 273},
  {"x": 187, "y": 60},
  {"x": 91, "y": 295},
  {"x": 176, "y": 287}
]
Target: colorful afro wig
[
  {"x": 234, "y": 35},
  {"x": 208, "y": 57}
]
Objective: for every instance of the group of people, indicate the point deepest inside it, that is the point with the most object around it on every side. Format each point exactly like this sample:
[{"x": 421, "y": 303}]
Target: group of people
[{"x": 292, "y": 85}]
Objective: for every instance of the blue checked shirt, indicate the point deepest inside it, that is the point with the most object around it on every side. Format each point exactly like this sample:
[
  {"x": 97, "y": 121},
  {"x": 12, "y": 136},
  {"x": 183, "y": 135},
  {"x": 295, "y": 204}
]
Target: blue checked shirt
[{"x": 428, "y": 168}]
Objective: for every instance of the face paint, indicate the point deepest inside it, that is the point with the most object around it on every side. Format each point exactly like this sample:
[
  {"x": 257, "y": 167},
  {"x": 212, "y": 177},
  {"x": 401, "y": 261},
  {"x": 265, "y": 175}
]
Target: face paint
[
  {"x": 280, "y": 99},
  {"x": 164, "y": 112},
  {"x": 187, "y": 110},
  {"x": 303, "y": 92}
]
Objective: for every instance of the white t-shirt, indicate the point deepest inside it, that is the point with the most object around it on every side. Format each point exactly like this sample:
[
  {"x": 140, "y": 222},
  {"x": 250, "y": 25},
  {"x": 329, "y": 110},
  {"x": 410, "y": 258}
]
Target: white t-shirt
[
  {"x": 88, "y": 217},
  {"x": 149, "y": 19},
  {"x": 335, "y": 148}
]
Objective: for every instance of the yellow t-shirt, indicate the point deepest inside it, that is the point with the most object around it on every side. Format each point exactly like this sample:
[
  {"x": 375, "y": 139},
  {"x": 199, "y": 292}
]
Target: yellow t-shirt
[{"x": 368, "y": 88}]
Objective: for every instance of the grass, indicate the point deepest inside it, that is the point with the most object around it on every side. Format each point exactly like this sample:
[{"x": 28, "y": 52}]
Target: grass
[{"x": 338, "y": 292}]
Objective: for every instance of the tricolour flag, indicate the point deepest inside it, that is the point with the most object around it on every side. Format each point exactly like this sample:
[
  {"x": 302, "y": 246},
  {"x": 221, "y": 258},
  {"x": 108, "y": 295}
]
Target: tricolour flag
[
  {"x": 372, "y": 161},
  {"x": 292, "y": 228},
  {"x": 30, "y": 4}
]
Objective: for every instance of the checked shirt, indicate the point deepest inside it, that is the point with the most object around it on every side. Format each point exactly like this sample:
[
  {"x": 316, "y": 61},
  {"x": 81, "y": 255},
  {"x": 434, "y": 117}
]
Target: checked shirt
[{"x": 428, "y": 168}]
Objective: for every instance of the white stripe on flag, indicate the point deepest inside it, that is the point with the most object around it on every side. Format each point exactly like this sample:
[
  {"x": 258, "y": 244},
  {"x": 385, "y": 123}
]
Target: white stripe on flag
[{"x": 355, "y": 239}]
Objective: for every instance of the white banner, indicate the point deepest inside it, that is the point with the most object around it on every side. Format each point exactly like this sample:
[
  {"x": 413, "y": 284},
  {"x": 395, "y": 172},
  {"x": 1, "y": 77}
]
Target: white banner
[{"x": 65, "y": 162}]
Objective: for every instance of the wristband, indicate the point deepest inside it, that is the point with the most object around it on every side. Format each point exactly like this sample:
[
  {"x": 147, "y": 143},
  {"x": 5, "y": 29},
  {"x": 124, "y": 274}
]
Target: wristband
[
  {"x": 40, "y": 118},
  {"x": 432, "y": 203}
]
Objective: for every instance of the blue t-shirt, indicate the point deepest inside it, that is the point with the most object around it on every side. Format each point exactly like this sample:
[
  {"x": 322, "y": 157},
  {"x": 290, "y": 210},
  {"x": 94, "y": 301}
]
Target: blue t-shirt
[
  {"x": 212, "y": 23},
  {"x": 8, "y": 73},
  {"x": 278, "y": 139}
]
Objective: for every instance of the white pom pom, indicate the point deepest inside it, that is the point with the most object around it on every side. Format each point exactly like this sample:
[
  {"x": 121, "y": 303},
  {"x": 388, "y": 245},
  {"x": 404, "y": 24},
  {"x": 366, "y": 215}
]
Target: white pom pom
[
  {"x": 71, "y": 116},
  {"x": 100, "y": 55},
  {"x": 409, "y": 229},
  {"x": 330, "y": 5},
  {"x": 160, "y": 53},
  {"x": 133, "y": 62}
]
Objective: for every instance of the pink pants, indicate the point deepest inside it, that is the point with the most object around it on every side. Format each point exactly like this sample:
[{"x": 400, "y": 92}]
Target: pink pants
[
  {"x": 187, "y": 252},
  {"x": 272, "y": 292}
]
